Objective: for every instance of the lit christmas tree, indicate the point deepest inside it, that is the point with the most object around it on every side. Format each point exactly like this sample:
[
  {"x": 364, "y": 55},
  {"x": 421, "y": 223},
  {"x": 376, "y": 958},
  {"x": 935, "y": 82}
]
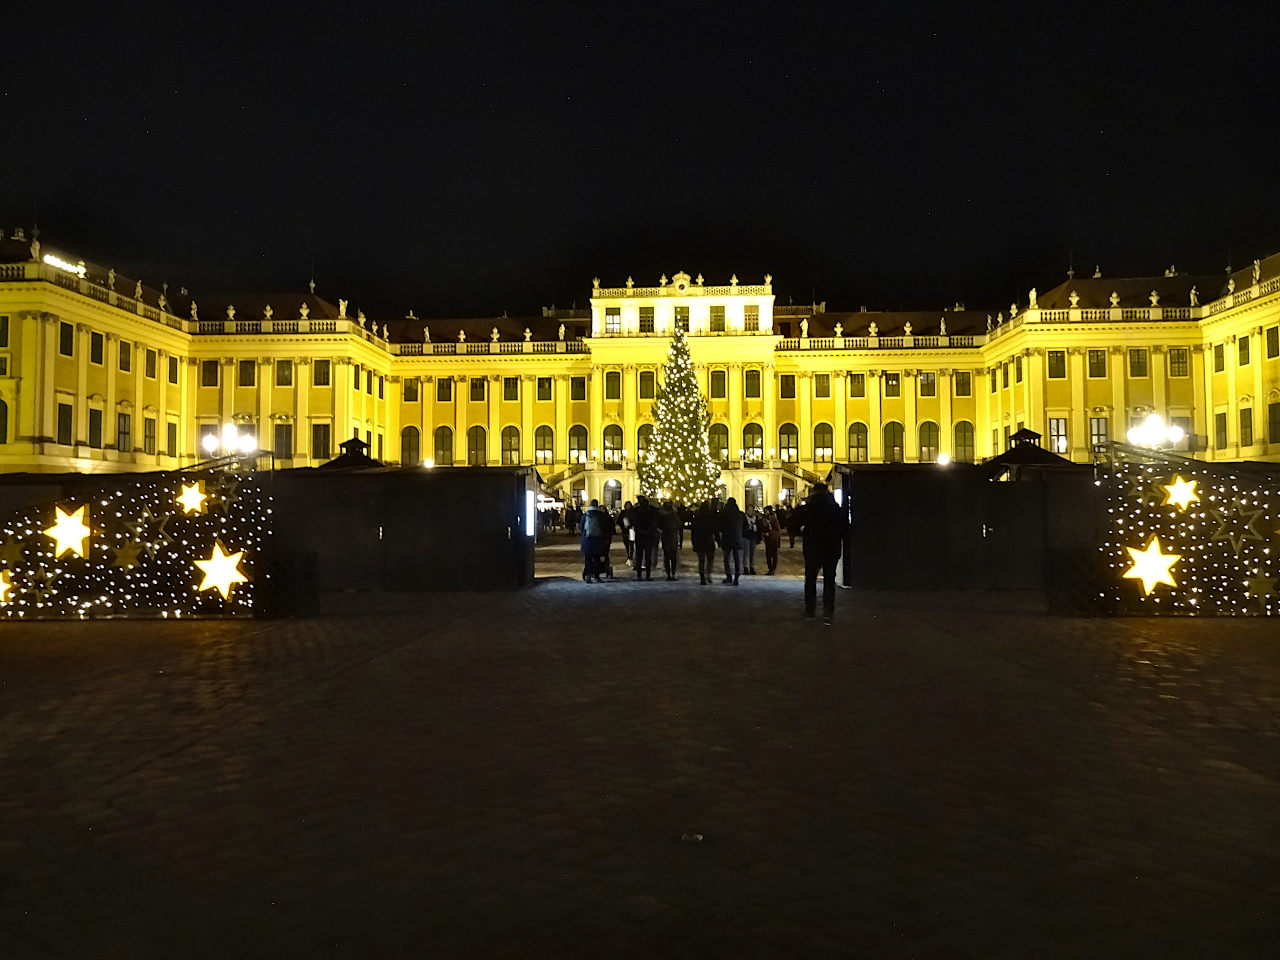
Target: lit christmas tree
[{"x": 677, "y": 464}]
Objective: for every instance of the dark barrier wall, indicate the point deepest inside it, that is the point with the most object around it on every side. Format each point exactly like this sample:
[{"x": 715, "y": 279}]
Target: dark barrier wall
[{"x": 412, "y": 529}]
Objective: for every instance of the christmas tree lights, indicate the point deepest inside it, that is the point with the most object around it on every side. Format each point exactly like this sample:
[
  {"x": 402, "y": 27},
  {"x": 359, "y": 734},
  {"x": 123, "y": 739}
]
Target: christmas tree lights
[
  {"x": 1187, "y": 537},
  {"x": 677, "y": 464}
]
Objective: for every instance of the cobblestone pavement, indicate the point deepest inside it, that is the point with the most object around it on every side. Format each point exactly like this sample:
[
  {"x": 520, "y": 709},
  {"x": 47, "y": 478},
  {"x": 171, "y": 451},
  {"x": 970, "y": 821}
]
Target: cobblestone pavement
[{"x": 515, "y": 774}]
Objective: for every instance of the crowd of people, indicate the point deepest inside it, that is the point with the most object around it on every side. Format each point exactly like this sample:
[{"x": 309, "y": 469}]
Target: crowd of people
[{"x": 645, "y": 527}]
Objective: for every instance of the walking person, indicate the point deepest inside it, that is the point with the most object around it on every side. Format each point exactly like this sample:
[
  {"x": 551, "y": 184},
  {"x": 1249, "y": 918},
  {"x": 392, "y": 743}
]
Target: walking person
[
  {"x": 750, "y": 537},
  {"x": 731, "y": 519},
  {"x": 822, "y": 523},
  {"x": 628, "y": 534},
  {"x": 671, "y": 529},
  {"x": 771, "y": 535},
  {"x": 644, "y": 521},
  {"x": 594, "y": 541},
  {"x": 702, "y": 532}
]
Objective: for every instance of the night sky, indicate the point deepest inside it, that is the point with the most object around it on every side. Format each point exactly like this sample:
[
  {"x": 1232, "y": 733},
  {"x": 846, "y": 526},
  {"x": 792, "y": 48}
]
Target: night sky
[{"x": 470, "y": 158}]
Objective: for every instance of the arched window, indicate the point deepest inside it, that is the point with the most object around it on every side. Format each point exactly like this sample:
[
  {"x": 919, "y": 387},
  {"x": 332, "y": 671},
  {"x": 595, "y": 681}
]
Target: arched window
[
  {"x": 510, "y": 447},
  {"x": 544, "y": 439},
  {"x": 444, "y": 447},
  {"x": 753, "y": 495},
  {"x": 578, "y": 444},
  {"x": 4, "y": 422},
  {"x": 477, "y": 452},
  {"x": 858, "y": 443},
  {"x": 893, "y": 442},
  {"x": 928, "y": 442},
  {"x": 964, "y": 442},
  {"x": 410, "y": 446},
  {"x": 753, "y": 443},
  {"x": 823, "y": 443},
  {"x": 613, "y": 445},
  {"x": 718, "y": 441},
  {"x": 788, "y": 442},
  {"x": 644, "y": 437}
]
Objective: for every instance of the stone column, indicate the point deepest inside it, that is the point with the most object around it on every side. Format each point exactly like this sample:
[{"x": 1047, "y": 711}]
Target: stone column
[
  {"x": 162, "y": 404},
  {"x": 595, "y": 428},
  {"x": 1159, "y": 385},
  {"x": 266, "y": 423},
  {"x": 80, "y": 430},
  {"x": 48, "y": 398},
  {"x": 560, "y": 384},
  {"x": 734, "y": 380},
  {"x": 629, "y": 410},
  {"x": 981, "y": 411},
  {"x": 946, "y": 428},
  {"x": 528, "y": 396},
  {"x": 226, "y": 388},
  {"x": 804, "y": 392},
  {"x": 461, "y": 400},
  {"x": 1034, "y": 397},
  {"x": 875, "y": 422},
  {"x": 1202, "y": 397},
  {"x": 493, "y": 391},
  {"x": 1079, "y": 410},
  {"x": 1259, "y": 395},
  {"x": 840, "y": 429},
  {"x": 1119, "y": 394},
  {"x": 910, "y": 426},
  {"x": 427, "y": 416},
  {"x": 111, "y": 357}
]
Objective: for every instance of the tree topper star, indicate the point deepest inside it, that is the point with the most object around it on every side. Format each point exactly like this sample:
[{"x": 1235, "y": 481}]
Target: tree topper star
[
  {"x": 1181, "y": 493},
  {"x": 221, "y": 570},
  {"x": 70, "y": 531},
  {"x": 1151, "y": 566},
  {"x": 193, "y": 497}
]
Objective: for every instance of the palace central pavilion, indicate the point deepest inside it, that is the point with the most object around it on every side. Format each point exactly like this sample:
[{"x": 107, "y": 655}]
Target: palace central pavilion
[{"x": 99, "y": 372}]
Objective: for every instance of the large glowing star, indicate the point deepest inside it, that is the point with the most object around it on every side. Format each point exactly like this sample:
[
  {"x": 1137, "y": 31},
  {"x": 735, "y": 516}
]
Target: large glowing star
[
  {"x": 1181, "y": 493},
  {"x": 1151, "y": 566},
  {"x": 5, "y": 587},
  {"x": 193, "y": 497},
  {"x": 70, "y": 531},
  {"x": 221, "y": 570}
]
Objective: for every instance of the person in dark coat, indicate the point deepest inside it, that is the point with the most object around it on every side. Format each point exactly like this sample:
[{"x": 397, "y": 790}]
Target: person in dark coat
[
  {"x": 702, "y": 531},
  {"x": 644, "y": 519},
  {"x": 731, "y": 540},
  {"x": 595, "y": 541},
  {"x": 628, "y": 536},
  {"x": 671, "y": 529},
  {"x": 822, "y": 524},
  {"x": 771, "y": 533}
]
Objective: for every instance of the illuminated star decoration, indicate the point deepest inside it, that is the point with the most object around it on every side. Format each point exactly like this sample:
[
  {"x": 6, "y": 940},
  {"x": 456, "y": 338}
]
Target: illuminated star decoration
[
  {"x": 1151, "y": 566},
  {"x": 1260, "y": 587},
  {"x": 1181, "y": 493},
  {"x": 70, "y": 531},
  {"x": 150, "y": 531},
  {"x": 221, "y": 570},
  {"x": 193, "y": 497},
  {"x": 1236, "y": 526},
  {"x": 126, "y": 555},
  {"x": 11, "y": 552},
  {"x": 4, "y": 586}
]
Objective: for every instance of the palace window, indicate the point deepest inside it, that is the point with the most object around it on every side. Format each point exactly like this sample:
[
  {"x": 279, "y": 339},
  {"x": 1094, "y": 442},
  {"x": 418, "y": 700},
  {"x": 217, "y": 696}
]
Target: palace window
[
  {"x": 682, "y": 319},
  {"x": 95, "y": 348},
  {"x": 149, "y": 364},
  {"x": 1004, "y": 374},
  {"x": 1242, "y": 350},
  {"x": 1273, "y": 423},
  {"x": 64, "y": 424},
  {"x": 284, "y": 375},
  {"x": 719, "y": 384},
  {"x": 577, "y": 388},
  {"x": 1017, "y": 369},
  {"x": 95, "y": 428},
  {"x": 928, "y": 383},
  {"x": 382, "y": 382},
  {"x": 822, "y": 385},
  {"x": 544, "y": 388},
  {"x": 66, "y": 339},
  {"x": 1273, "y": 342},
  {"x": 647, "y": 381},
  {"x": 4, "y": 330},
  {"x": 171, "y": 438},
  {"x": 578, "y": 444},
  {"x": 962, "y": 383},
  {"x": 751, "y": 384},
  {"x": 148, "y": 434},
  {"x": 355, "y": 376},
  {"x": 477, "y": 447},
  {"x": 1219, "y": 357},
  {"x": 857, "y": 384},
  {"x": 173, "y": 369},
  {"x": 208, "y": 373},
  {"x": 612, "y": 446},
  {"x": 964, "y": 452},
  {"x": 717, "y": 319},
  {"x": 444, "y": 392},
  {"x": 753, "y": 443},
  {"x": 246, "y": 372},
  {"x": 444, "y": 446},
  {"x": 823, "y": 443},
  {"x": 718, "y": 442},
  {"x": 751, "y": 319},
  {"x": 1246, "y": 426},
  {"x": 510, "y": 388},
  {"x": 1057, "y": 364},
  {"x": 644, "y": 437},
  {"x": 858, "y": 449},
  {"x": 646, "y": 319},
  {"x": 993, "y": 379},
  {"x": 477, "y": 389},
  {"x": 612, "y": 319},
  {"x": 544, "y": 445},
  {"x": 929, "y": 435},
  {"x": 1099, "y": 430},
  {"x": 1097, "y": 363},
  {"x": 1138, "y": 362},
  {"x": 788, "y": 442},
  {"x": 368, "y": 382},
  {"x": 1179, "y": 362},
  {"x": 1058, "y": 434},
  {"x": 787, "y": 386},
  {"x": 1219, "y": 430},
  {"x": 893, "y": 442},
  {"x": 510, "y": 447},
  {"x": 410, "y": 446},
  {"x": 124, "y": 432},
  {"x": 320, "y": 372},
  {"x": 411, "y": 388},
  {"x": 126, "y": 358},
  {"x": 613, "y": 385},
  {"x": 893, "y": 385},
  {"x": 283, "y": 441}
]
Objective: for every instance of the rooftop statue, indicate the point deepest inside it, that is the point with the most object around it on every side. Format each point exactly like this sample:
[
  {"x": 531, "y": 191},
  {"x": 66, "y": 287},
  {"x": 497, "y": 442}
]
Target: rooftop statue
[
  {"x": 1257, "y": 270},
  {"x": 493, "y": 334},
  {"x": 1154, "y": 297},
  {"x": 1195, "y": 297},
  {"x": 195, "y": 311},
  {"x": 231, "y": 312},
  {"x": 906, "y": 329},
  {"x": 1097, "y": 271},
  {"x": 988, "y": 323},
  {"x": 111, "y": 279},
  {"x": 1032, "y": 302},
  {"x": 426, "y": 333},
  {"x": 873, "y": 330},
  {"x": 528, "y": 334},
  {"x": 1115, "y": 298},
  {"x": 1075, "y": 298},
  {"x": 562, "y": 325},
  {"x": 462, "y": 336},
  {"x": 804, "y": 327},
  {"x": 839, "y": 329},
  {"x": 304, "y": 311},
  {"x": 384, "y": 332},
  {"x": 267, "y": 312},
  {"x": 342, "y": 309},
  {"x": 137, "y": 290},
  {"x": 1231, "y": 285},
  {"x": 942, "y": 327}
]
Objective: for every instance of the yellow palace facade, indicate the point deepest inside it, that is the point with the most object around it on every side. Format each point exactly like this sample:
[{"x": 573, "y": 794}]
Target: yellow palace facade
[{"x": 99, "y": 372}]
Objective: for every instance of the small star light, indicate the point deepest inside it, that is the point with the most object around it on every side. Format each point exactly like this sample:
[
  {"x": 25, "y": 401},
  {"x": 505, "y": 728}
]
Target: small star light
[
  {"x": 1151, "y": 566},
  {"x": 1260, "y": 587},
  {"x": 70, "y": 531},
  {"x": 221, "y": 570},
  {"x": 5, "y": 586},
  {"x": 193, "y": 497},
  {"x": 1181, "y": 494}
]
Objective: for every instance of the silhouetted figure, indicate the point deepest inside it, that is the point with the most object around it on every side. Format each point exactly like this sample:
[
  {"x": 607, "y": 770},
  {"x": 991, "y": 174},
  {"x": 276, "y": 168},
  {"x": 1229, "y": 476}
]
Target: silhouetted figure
[
  {"x": 822, "y": 523},
  {"x": 731, "y": 520},
  {"x": 702, "y": 532}
]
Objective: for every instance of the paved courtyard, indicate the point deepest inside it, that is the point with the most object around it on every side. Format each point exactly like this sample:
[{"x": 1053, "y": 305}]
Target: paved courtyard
[{"x": 641, "y": 769}]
